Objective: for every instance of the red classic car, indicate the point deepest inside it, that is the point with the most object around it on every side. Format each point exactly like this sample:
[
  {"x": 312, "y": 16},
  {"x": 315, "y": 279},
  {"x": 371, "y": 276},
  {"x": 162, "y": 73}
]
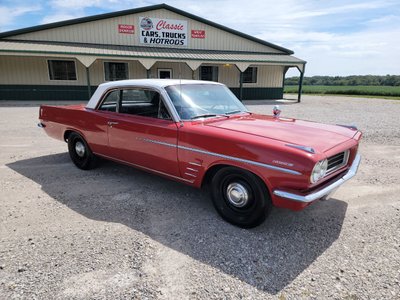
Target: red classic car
[{"x": 199, "y": 133}]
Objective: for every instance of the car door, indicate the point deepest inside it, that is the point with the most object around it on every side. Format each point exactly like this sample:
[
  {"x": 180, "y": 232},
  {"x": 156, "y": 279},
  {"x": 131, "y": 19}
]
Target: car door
[
  {"x": 143, "y": 133},
  {"x": 97, "y": 123}
]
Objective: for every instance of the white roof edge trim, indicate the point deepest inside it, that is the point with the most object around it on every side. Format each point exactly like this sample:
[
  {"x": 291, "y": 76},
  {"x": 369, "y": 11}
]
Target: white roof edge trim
[{"x": 151, "y": 83}]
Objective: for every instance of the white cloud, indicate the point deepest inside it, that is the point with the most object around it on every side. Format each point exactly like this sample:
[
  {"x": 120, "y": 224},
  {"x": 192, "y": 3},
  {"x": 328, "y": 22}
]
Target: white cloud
[
  {"x": 8, "y": 15},
  {"x": 61, "y": 17}
]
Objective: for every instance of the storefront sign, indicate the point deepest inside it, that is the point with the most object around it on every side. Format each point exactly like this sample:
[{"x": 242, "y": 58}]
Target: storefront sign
[
  {"x": 163, "y": 32},
  {"x": 123, "y": 28},
  {"x": 198, "y": 34}
]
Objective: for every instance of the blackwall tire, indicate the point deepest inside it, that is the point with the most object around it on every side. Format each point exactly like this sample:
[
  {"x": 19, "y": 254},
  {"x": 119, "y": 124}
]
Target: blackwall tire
[
  {"x": 240, "y": 197},
  {"x": 80, "y": 153}
]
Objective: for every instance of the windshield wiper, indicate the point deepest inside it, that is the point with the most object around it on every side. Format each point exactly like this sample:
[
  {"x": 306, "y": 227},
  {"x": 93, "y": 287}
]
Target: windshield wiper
[
  {"x": 206, "y": 116},
  {"x": 233, "y": 112}
]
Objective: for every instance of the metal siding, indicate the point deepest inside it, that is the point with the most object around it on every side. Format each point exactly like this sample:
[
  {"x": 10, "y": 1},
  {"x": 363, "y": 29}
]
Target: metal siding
[
  {"x": 106, "y": 32},
  {"x": 34, "y": 70},
  {"x": 136, "y": 70},
  {"x": 179, "y": 70},
  {"x": 268, "y": 76}
]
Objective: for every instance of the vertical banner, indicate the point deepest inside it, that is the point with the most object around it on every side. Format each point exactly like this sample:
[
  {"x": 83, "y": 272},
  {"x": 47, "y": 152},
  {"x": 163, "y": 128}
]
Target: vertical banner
[{"x": 163, "y": 32}]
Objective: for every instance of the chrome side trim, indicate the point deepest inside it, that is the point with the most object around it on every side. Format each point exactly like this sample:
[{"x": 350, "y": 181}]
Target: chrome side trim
[
  {"x": 304, "y": 148},
  {"x": 224, "y": 156},
  {"x": 192, "y": 175},
  {"x": 191, "y": 169},
  {"x": 194, "y": 164},
  {"x": 144, "y": 168},
  {"x": 325, "y": 191},
  {"x": 250, "y": 162}
]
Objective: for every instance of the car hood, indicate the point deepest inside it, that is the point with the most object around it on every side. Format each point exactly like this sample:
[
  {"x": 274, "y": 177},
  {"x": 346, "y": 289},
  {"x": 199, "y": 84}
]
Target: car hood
[{"x": 321, "y": 137}]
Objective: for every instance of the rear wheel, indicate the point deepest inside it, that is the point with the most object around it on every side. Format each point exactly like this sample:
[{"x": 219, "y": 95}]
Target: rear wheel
[
  {"x": 240, "y": 197},
  {"x": 80, "y": 153}
]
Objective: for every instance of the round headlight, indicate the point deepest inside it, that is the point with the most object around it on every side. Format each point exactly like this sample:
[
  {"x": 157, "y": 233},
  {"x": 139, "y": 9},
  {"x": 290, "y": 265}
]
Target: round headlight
[{"x": 319, "y": 170}]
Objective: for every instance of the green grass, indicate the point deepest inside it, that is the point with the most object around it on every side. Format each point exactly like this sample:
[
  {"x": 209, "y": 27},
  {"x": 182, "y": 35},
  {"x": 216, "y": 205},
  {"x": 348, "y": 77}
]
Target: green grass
[{"x": 392, "y": 92}]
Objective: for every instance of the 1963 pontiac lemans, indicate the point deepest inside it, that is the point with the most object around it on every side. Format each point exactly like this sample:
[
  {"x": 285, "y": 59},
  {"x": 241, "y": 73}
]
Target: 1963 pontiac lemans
[{"x": 199, "y": 133}]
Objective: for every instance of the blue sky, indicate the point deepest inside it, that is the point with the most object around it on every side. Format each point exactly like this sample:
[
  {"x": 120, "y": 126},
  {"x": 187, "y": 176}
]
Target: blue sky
[{"x": 335, "y": 37}]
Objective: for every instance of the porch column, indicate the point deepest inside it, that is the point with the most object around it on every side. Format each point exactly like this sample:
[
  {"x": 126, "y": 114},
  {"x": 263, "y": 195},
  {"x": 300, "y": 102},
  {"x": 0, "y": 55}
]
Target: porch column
[
  {"x": 241, "y": 86},
  {"x": 88, "y": 82},
  {"x": 302, "y": 70},
  {"x": 242, "y": 66}
]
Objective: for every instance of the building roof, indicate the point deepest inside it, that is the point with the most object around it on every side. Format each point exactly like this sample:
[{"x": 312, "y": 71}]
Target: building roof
[
  {"x": 115, "y": 51},
  {"x": 139, "y": 10}
]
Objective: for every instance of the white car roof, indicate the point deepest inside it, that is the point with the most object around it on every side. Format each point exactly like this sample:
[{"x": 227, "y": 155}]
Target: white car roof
[{"x": 152, "y": 83}]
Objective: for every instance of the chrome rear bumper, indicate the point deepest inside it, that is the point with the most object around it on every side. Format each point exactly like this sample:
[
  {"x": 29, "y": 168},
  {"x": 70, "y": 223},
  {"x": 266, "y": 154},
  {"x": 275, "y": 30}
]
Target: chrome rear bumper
[{"x": 326, "y": 191}]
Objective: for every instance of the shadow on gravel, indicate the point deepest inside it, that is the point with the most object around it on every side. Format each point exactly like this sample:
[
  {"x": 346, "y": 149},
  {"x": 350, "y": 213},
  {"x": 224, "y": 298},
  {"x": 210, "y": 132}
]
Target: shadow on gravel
[{"x": 268, "y": 257}]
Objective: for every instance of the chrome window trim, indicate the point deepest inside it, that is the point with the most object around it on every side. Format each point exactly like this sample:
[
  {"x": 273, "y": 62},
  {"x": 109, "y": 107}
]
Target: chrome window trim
[
  {"x": 250, "y": 162},
  {"x": 163, "y": 96}
]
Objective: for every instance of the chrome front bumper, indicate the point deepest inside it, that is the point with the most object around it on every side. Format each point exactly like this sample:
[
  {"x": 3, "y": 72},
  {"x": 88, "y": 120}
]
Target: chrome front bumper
[{"x": 326, "y": 191}]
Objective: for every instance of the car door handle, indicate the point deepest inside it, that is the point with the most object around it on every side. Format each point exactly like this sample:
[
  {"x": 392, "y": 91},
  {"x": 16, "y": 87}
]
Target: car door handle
[{"x": 111, "y": 123}]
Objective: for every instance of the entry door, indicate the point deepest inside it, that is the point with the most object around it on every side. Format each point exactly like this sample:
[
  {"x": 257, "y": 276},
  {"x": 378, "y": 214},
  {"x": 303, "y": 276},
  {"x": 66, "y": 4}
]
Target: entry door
[
  {"x": 142, "y": 133},
  {"x": 164, "y": 73}
]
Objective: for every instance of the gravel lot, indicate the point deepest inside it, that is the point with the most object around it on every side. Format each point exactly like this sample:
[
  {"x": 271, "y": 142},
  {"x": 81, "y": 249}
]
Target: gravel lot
[{"x": 118, "y": 233}]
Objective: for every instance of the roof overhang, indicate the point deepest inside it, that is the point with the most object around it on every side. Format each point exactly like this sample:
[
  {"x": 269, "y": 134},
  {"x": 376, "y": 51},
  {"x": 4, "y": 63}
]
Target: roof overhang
[{"x": 88, "y": 53}]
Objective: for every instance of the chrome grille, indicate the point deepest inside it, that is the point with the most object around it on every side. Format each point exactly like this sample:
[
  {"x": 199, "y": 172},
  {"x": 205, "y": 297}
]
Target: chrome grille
[{"x": 337, "y": 161}]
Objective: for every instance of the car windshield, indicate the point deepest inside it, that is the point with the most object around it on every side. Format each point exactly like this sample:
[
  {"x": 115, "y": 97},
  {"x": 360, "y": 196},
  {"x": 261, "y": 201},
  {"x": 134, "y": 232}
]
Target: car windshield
[{"x": 193, "y": 101}]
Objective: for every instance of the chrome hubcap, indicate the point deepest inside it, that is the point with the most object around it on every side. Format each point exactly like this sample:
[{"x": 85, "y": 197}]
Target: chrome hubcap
[
  {"x": 80, "y": 149},
  {"x": 237, "y": 194}
]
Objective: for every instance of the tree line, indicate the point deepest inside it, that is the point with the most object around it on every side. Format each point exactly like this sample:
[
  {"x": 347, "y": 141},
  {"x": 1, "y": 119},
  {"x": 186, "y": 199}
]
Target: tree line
[{"x": 372, "y": 80}]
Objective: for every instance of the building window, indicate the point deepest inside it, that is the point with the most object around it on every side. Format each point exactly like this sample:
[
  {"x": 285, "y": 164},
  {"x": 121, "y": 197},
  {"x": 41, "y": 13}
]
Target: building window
[
  {"x": 115, "y": 71},
  {"x": 209, "y": 73},
  {"x": 250, "y": 75},
  {"x": 62, "y": 69},
  {"x": 164, "y": 73}
]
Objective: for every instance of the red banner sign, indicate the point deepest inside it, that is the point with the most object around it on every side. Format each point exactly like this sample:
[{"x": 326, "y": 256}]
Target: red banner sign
[
  {"x": 123, "y": 28},
  {"x": 198, "y": 34}
]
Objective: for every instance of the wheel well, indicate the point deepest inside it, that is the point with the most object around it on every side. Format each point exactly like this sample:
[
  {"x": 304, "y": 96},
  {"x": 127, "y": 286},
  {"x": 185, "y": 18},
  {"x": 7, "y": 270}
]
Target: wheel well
[
  {"x": 210, "y": 174},
  {"x": 214, "y": 169},
  {"x": 67, "y": 134}
]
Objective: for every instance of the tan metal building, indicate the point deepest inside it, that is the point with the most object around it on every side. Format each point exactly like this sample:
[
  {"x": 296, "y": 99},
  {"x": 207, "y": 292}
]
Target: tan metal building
[{"x": 67, "y": 60}]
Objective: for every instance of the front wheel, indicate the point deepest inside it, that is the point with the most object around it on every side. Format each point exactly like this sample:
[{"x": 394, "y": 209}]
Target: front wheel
[
  {"x": 240, "y": 197},
  {"x": 80, "y": 153}
]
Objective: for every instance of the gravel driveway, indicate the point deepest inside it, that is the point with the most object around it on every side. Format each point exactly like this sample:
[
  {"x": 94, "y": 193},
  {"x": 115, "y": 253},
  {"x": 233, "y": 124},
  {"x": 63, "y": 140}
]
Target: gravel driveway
[{"x": 119, "y": 233}]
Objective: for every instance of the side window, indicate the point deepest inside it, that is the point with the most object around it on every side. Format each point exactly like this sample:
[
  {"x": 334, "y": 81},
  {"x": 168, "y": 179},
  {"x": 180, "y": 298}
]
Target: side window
[
  {"x": 143, "y": 102},
  {"x": 111, "y": 101}
]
